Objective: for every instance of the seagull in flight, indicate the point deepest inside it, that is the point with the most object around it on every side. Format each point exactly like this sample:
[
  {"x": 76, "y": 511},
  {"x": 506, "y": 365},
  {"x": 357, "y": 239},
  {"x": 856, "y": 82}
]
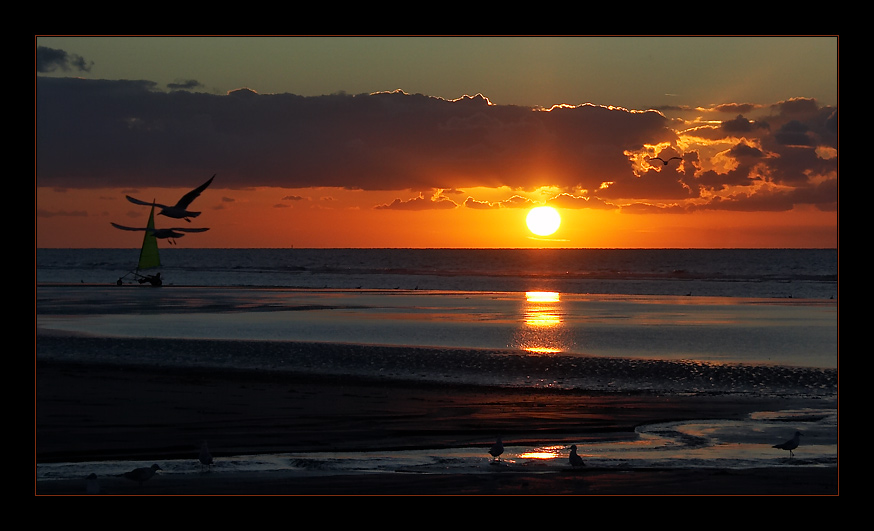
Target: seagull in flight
[
  {"x": 205, "y": 457},
  {"x": 575, "y": 459},
  {"x": 168, "y": 234},
  {"x": 497, "y": 449},
  {"x": 666, "y": 161},
  {"x": 180, "y": 209},
  {"x": 791, "y": 444},
  {"x": 142, "y": 474}
]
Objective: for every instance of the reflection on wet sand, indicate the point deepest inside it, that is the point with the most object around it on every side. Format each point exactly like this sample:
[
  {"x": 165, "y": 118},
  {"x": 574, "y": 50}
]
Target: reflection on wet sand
[{"x": 543, "y": 331}]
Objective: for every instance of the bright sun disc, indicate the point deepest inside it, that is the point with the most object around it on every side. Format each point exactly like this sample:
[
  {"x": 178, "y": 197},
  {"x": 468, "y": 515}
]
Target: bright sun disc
[{"x": 543, "y": 220}]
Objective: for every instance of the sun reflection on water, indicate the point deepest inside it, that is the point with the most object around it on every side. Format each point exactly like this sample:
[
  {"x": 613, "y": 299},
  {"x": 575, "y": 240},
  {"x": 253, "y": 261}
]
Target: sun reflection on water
[
  {"x": 551, "y": 452},
  {"x": 543, "y": 332}
]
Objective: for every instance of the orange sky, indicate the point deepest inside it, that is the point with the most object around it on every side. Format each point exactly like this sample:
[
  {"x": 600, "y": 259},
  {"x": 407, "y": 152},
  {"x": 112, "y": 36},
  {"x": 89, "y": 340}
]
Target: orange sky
[
  {"x": 756, "y": 161},
  {"x": 333, "y": 218}
]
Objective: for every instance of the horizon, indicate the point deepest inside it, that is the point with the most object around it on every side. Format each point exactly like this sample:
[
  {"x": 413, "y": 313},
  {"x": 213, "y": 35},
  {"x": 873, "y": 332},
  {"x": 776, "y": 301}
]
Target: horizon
[
  {"x": 439, "y": 143},
  {"x": 460, "y": 248}
]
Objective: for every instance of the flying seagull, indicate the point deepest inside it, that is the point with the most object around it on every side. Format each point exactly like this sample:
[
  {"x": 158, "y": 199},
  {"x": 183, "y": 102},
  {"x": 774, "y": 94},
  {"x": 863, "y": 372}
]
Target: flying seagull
[
  {"x": 666, "y": 161},
  {"x": 575, "y": 459},
  {"x": 180, "y": 209},
  {"x": 168, "y": 234},
  {"x": 791, "y": 444},
  {"x": 142, "y": 474},
  {"x": 497, "y": 449},
  {"x": 205, "y": 457}
]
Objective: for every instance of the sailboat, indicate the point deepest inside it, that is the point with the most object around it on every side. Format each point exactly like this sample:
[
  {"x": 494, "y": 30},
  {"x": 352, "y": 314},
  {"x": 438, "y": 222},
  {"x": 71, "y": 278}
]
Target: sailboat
[{"x": 149, "y": 256}]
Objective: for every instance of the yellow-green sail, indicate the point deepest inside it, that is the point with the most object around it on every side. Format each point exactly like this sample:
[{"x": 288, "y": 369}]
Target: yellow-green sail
[{"x": 149, "y": 253}]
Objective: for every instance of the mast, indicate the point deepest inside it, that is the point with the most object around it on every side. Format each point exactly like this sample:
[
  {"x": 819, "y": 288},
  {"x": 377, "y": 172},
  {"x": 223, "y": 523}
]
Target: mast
[{"x": 149, "y": 257}]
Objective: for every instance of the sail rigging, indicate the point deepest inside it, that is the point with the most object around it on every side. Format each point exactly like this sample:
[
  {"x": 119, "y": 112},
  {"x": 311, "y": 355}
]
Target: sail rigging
[{"x": 149, "y": 257}]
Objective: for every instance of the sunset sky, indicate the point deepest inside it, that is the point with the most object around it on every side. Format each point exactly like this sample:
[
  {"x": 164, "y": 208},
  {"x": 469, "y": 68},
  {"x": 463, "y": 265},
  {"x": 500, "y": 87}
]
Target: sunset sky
[{"x": 439, "y": 141}]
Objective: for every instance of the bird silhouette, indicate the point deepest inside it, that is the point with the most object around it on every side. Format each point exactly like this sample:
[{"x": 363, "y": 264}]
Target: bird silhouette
[
  {"x": 205, "y": 457},
  {"x": 666, "y": 161},
  {"x": 168, "y": 234},
  {"x": 142, "y": 474},
  {"x": 791, "y": 444},
  {"x": 497, "y": 449},
  {"x": 575, "y": 459},
  {"x": 180, "y": 209}
]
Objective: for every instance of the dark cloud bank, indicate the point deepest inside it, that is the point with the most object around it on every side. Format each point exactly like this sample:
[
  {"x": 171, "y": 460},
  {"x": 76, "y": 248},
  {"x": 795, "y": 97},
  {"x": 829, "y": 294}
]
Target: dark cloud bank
[
  {"x": 98, "y": 133},
  {"x": 51, "y": 60}
]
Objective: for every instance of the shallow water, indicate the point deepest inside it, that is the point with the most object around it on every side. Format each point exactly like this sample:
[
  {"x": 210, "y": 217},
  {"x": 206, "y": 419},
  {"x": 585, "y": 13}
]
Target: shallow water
[
  {"x": 712, "y": 444},
  {"x": 789, "y": 332},
  {"x": 637, "y": 343}
]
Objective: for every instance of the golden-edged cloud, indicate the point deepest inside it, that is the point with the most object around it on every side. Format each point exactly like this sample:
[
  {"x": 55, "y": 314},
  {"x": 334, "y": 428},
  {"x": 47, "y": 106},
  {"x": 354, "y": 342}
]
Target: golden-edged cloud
[{"x": 99, "y": 134}]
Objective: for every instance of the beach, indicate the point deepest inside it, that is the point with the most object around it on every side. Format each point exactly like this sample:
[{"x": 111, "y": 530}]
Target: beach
[
  {"x": 121, "y": 412},
  {"x": 102, "y": 412},
  {"x": 372, "y": 392}
]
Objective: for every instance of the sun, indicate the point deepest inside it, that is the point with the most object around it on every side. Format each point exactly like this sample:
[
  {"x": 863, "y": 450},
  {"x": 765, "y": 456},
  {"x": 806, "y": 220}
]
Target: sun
[{"x": 543, "y": 220}]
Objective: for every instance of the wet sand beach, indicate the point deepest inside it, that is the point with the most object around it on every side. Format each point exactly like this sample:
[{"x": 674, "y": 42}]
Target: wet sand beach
[
  {"x": 102, "y": 411},
  {"x": 105, "y": 403}
]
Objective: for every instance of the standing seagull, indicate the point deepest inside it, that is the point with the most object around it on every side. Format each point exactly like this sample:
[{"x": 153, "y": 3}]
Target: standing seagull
[
  {"x": 791, "y": 444},
  {"x": 575, "y": 459},
  {"x": 666, "y": 161},
  {"x": 205, "y": 457},
  {"x": 180, "y": 209},
  {"x": 497, "y": 449},
  {"x": 142, "y": 474}
]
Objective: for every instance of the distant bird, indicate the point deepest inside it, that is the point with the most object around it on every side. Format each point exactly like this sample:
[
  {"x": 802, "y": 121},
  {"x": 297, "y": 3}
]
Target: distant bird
[
  {"x": 497, "y": 449},
  {"x": 791, "y": 444},
  {"x": 575, "y": 459},
  {"x": 91, "y": 484},
  {"x": 205, "y": 457},
  {"x": 168, "y": 234},
  {"x": 142, "y": 474},
  {"x": 180, "y": 209},
  {"x": 666, "y": 161}
]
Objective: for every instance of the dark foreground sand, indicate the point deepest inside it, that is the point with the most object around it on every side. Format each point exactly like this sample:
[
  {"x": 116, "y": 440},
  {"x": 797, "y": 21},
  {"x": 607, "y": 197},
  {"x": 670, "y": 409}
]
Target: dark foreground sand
[{"x": 93, "y": 412}]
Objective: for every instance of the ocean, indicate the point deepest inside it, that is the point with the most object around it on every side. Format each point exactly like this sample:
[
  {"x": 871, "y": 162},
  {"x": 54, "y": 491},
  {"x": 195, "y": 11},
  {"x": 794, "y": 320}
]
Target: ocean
[
  {"x": 715, "y": 322},
  {"x": 754, "y": 307},
  {"x": 766, "y": 273}
]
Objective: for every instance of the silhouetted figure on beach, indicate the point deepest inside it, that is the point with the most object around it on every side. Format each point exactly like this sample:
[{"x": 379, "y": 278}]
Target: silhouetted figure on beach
[
  {"x": 575, "y": 459},
  {"x": 180, "y": 209},
  {"x": 142, "y": 474},
  {"x": 497, "y": 449},
  {"x": 791, "y": 444},
  {"x": 92, "y": 486},
  {"x": 205, "y": 457}
]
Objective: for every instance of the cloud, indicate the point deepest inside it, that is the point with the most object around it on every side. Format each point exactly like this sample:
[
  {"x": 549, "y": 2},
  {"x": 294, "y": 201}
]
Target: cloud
[
  {"x": 99, "y": 133},
  {"x": 736, "y": 108},
  {"x": 189, "y": 84},
  {"x": 51, "y": 60},
  {"x": 470, "y": 202},
  {"x": 419, "y": 203},
  {"x": 516, "y": 201},
  {"x": 566, "y": 200}
]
